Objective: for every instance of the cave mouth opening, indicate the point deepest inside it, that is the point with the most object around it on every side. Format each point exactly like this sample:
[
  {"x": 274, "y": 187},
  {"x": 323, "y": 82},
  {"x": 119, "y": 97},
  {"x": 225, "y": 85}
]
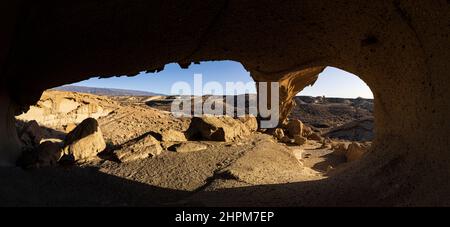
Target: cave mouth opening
[
  {"x": 337, "y": 115},
  {"x": 132, "y": 120},
  {"x": 135, "y": 113}
]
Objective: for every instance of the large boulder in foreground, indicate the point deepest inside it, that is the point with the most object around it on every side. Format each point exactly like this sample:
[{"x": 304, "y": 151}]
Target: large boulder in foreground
[
  {"x": 213, "y": 128},
  {"x": 84, "y": 142}
]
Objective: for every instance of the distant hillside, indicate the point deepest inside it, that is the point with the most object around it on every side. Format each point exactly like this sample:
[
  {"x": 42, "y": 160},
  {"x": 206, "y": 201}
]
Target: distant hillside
[
  {"x": 104, "y": 91},
  {"x": 327, "y": 113}
]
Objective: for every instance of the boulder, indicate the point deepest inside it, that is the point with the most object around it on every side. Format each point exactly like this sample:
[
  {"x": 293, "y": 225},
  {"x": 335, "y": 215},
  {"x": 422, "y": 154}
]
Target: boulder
[
  {"x": 217, "y": 129},
  {"x": 249, "y": 121},
  {"x": 188, "y": 147},
  {"x": 31, "y": 134},
  {"x": 171, "y": 135},
  {"x": 355, "y": 151},
  {"x": 352, "y": 151},
  {"x": 59, "y": 109},
  {"x": 46, "y": 154},
  {"x": 49, "y": 153},
  {"x": 144, "y": 148},
  {"x": 84, "y": 142},
  {"x": 278, "y": 133},
  {"x": 300, "y": 140},
  {"x": 294, "y": 127}
]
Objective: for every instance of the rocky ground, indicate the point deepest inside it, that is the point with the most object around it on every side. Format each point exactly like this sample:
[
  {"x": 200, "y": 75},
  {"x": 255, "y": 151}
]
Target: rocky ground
[{"x": 82, "y": 149}]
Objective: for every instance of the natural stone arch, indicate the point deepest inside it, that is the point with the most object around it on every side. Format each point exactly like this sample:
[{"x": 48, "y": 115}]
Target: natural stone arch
[
  {"x": 290, "y": 84},
  {"x": 399, "y": 48}
]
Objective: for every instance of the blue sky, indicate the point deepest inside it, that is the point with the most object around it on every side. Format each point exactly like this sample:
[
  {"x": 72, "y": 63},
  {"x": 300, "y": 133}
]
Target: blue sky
[{"x": 332, "y": 82}]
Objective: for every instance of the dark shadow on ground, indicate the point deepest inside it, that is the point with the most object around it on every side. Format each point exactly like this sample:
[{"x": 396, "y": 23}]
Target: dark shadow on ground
[
  {"x": 329, "y": 160},
  {"x": 87, "y": 186},
  {"x": 77, "y": 186}
]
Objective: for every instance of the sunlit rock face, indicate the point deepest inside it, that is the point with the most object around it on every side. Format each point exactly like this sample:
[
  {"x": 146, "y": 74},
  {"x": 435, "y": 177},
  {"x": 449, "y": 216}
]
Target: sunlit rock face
[
  {"x": 290, "y": 84},
  {"x": 58, "y": 109},
  {"x": 399, "y": 48}
]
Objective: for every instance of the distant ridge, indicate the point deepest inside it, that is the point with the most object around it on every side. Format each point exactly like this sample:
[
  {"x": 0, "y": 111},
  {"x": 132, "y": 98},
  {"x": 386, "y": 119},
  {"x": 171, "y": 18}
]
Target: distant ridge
[{"x": 105, "y": 91}]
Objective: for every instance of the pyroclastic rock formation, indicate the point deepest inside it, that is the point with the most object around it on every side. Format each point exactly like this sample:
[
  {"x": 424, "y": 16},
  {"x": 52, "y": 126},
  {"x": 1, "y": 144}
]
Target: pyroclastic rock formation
[
  {"x": 224, "y": 128},
  {"x": 400, "y": 48},
  {"x": 84, "y": 142},
  {"x": 60, "y": 110},
  {"x": 144, "y": 148},
  {"x": 290, "y": 84}
]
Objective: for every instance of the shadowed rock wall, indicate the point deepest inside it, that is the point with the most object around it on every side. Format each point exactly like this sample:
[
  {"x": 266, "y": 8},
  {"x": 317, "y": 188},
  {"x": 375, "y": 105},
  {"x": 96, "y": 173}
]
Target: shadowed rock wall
[{"x": 399, "y": 48}]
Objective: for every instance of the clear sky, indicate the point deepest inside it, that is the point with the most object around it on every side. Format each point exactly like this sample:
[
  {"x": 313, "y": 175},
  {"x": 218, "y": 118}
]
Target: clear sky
[{"x": 332, "y": 82}]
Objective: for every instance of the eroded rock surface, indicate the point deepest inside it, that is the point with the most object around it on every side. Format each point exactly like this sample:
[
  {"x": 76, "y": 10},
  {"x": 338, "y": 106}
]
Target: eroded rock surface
[
  {"x": 49, "y": 153},
  {"x": 218, "y": 128},
  {"x": 190, "y": 146},
  {"x": 30, "y": 134},
  {"x": 295, "y": 127},
  {"x": 399, "y": 48},
  {"x": 84, "y": 142},
  {"x": 60, "y": 110},
  {"x": 250, "y": 121},
  {"x": 352, "y": 151},
  {"x": 143, "y": 148},
  {"x": 171, "y": 135}
]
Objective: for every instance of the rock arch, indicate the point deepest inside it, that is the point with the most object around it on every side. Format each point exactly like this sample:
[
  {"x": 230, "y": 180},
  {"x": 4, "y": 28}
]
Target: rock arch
[{"x": 399, "y": 48}]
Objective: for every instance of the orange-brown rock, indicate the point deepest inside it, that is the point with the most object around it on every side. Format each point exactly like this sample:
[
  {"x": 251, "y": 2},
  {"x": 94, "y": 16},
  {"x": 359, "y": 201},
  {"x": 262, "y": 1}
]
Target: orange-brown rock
[
  {"x": 278, "y": 133},
  {"x": 189, "y": 146},
  {"x": 399, "y": 48},
  {"x": 84, "y": 142},
  {"x": 351, "y": 151},
  {"x": 294, "y": 127},
  {"x": 63, "y": 110},
  {"x": 217, "y": 128},
  {"x": 249, "y": 121},
  {"x": 290, "y": 84},
  {"x": 141, "y": 149},
  {"x": 171, "y": 135}
]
